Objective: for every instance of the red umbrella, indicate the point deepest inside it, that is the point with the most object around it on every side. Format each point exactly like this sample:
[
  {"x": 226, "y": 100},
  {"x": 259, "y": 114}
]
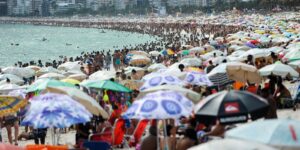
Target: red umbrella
[{"x": 254, "y": 42}]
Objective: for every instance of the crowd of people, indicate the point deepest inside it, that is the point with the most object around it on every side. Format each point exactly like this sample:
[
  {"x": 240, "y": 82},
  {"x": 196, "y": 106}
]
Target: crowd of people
[{"x": 174, "y": 36}]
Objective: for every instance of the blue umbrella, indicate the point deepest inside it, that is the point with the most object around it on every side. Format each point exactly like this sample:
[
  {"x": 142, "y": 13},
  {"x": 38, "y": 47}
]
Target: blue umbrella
[
  {"x": 55, "y": 110},
  {"x": 198, "y": 78},
  {"x": 283, "y": 133},
  {"x": 160, "y": 105},
  {"x": 156, "y": 79}
]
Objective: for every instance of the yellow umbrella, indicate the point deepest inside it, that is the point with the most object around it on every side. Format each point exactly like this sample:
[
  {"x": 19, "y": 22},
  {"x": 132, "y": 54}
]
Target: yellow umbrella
[
  {"x": 71, "y": 81},
  {"x": 11, "y": 104}
]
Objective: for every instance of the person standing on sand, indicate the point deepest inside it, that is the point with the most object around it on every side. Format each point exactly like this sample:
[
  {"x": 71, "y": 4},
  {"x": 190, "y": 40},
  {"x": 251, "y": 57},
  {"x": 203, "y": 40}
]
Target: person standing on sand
[{"x": 107, "y": 61}]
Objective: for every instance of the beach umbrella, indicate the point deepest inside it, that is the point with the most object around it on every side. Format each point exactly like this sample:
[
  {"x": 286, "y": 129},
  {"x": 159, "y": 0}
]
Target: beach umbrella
[
  {"x": 35, "y": 68},
  {"x": 18, "y": 93},
  {"x": 105, "y": 85},
  {"x": 132, "y": 84},
  {"x": 79, "y": 77},
  {"x": 88, "y": 102},
  {"x": 72, "y": 72},
  {"x": 139, "y": 60},
  {"x": 140, "y": 71},
  {"x": 155, "y": 67},
  {"x": 160, "y": 105},
  {"x": 4, "y": 146},
  {"x": 216, "y": 60},
  {"x": 231, "y": 107},
  {"x": 167, "y": 52},
  {"x": 154, "y": 53},
  {"x": 55, "y": 110},
  {"x": 280, "y": 133},
  {"x": 251, "y": 45},
  {"x": 210, "y": 47},
  {"x": 256, "y": 53},
  {"x": 218, "y": 76},
  {"x": 211, "y": 54},
  {"x": 191, "y": 95},
  {"x": 197, "y": 78},
  {"x": 197, "y": 50},
  {"x": 52, "y": 75},
  {"x": 278, "y": 69},
  {"x": 139, "y": 53},
  {"x": 13, "y": 78},
  {"x": 293, "y": 54},
  {"x": 193, "y": 69},
  {"x": 242, "y": 72},
  {"x": 20, "y": 72},
  {"x": 231, "y": 144},
  {"x": 102, "y": 75},
  {"x": 42, "y": 84},
  {"x": 184, "y": 52},
  {"x": 71, "y": 81},
  {"x": 9, "y": 105},
  {"x": 156, "y": 79},
  {"x": 191, "y": 62},
  {"x": 69, "y": 66},
  {"x": 295, "y": 64},
  {"x": 45, "y": 70},
  {"x": 9, "y": 86}
]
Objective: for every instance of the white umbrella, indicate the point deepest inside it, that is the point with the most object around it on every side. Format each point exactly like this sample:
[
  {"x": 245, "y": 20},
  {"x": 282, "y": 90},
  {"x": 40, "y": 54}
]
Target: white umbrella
[
  {"x": 79, "y": 77},
  {"x": 88, "y": 102},
  {"x": 197, "y": 49},
  {"x": 156, "y": 79},
  {"x": 35, "y": 68},
  {"x": 231, "y": 144},
  {"x": 154, "y": 53},
  {"x": 155, "y": 67},
  {"x": 256, "y": 53},
  {"x": 52, "y": 76},
  {"x": 139, "y": 60},
  {"x": 9, "y": 86},
  {"x": 21, "y": 72},
  {"x": 191, "y": 62},
  {"x": 69, "y": 66},
  {"x": 13, "y": 78},
  {"x": 211, "y": 54},
  {"x": 102, "y": 75},
  {"x": 143, "y": 53},
  {"x": 160, "y": 105},
  {"x": 195, "y": 97},
  {"x": 278, "y": 69},
  {"x": 45, "y": 70},
  {"x": 243, "y": 72},
  {"x": 129, "y": 69}
]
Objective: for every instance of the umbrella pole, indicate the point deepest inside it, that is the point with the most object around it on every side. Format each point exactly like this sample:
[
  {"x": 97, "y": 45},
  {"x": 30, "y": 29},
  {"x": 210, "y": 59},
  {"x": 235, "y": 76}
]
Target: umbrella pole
[
  {"x": 52, "y": 136},
  {"x": 157, "y": 135}
]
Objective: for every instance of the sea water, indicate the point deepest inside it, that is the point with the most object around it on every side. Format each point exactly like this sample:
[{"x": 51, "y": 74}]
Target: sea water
[{"x": 30, "y": 42}]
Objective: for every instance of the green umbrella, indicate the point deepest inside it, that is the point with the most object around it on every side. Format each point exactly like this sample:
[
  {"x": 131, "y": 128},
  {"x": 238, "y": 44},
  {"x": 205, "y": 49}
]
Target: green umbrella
[
  {"x": 185, "y": 52},
  {"x": 42, "y": 84},
  {"x": 106, "y": 85}
]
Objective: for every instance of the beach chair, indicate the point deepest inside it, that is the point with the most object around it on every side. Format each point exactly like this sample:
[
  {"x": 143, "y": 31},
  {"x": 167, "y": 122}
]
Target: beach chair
[
  {"x": 113, "y": 137},
  {"x": 134, "y": 139}
]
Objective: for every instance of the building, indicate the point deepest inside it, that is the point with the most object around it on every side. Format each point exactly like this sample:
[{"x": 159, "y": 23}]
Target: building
[
  {"x": 45, "y": 8},
  {"x": 16, "y": 7},
  {"x": 3, "y": 7}
]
